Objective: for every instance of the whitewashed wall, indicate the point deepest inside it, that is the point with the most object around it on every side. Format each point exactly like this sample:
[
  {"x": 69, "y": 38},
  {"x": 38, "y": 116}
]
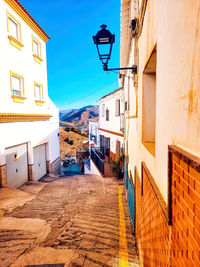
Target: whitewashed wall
[
  {"x": 23, "y": 63},
  {"x": 113, "y": 139},
  {"x": 114, "y": 121},
  {"x": 113, "y": 124},
  {"x": 177, "y": 89}
]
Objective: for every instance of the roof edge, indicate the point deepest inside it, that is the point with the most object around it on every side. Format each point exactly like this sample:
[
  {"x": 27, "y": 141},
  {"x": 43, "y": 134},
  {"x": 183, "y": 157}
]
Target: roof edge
[
  {"x": 26, "y": 16},
  {"x": 116, "y": 90}
]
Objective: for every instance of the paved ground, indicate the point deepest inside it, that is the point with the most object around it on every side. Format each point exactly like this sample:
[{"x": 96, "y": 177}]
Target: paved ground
[{"x": 75, "y": 220}]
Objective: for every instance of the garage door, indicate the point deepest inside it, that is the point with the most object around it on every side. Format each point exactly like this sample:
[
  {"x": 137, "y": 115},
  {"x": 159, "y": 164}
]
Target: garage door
[
  {"x": 39, "y": 156},
  {"x": 17, "y": 165}
]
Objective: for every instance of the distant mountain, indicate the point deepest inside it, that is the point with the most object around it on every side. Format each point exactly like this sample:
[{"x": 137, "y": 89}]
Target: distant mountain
[{"x": 80, "y": 116}]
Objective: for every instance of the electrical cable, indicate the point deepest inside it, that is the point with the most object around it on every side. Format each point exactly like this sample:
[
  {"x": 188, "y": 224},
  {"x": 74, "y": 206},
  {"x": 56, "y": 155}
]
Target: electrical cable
[
  {"x": 87, "y": 95},
  {"x": 122, "y": 74}
]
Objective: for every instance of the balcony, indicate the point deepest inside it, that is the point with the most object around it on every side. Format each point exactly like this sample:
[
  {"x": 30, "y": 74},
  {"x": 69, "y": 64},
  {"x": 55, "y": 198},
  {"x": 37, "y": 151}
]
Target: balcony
[{"x": 122, "y": 122}]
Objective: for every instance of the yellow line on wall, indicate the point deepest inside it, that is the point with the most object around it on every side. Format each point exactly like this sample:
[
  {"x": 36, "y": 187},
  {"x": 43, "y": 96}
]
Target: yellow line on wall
[{"x": 123, "y": 248}]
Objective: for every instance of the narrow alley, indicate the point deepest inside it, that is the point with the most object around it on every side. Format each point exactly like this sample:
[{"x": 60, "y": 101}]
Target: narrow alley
[{"x": 79, "y": 220}]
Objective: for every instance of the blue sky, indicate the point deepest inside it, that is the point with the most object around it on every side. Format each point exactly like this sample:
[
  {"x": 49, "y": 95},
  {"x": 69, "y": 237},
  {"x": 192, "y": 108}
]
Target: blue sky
[{"x": 74, "y": 70}]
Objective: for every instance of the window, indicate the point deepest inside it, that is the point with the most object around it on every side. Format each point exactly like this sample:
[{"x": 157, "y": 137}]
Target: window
[
  {"x": 127, "y": 95},
  {"x": 107, "y": 146},
  {"x": 149, "y": 104},
  {"x": 36, "y": 47},
  {"x": 117, "y": 107},
  {"x": 103, "y": 110},
  {"x": 118, "y": 147},
  {"x": 38, "y": 92},
  {"x": 126, "y": 105},
  {"x": 102, "y": 144},
  {"x": 17, "y": 87},
  {"x": 17, "y": 84},
  {"x": 107, "y": 115},
  {"x": 14, "y": 27},
  {"x": 14, "y": 30}
]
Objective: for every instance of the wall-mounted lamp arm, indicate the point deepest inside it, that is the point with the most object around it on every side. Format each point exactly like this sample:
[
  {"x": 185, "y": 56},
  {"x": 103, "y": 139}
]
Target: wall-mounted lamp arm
[{"x": 133, "y": 68}]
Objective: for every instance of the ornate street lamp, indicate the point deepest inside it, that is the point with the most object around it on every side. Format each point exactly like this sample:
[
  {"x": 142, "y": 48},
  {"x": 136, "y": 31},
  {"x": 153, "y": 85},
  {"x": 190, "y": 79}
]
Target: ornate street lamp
[{"x": 104, "y": 41}]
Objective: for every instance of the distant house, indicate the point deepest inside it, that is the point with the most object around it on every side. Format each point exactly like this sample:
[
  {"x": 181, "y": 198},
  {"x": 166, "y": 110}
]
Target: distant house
[
  {"x": 111, "y": 123},
  {"x": 93, "y": 132},
  {"x": 106, "y": 134},
  {"x": 29, "y": 133}
]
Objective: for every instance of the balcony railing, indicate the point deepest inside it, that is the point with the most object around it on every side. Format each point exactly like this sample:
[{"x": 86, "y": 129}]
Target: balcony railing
[
  {"x": 104, "y": 151},
  {"x": 122, "y": 122},
  {"x": 97, "y": 160},
  {"x": 94, "y": 138}
]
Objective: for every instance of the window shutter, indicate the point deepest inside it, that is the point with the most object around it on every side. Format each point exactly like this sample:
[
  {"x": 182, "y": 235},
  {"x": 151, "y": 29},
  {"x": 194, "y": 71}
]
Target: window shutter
[
  {"x": 13, "y": 29},
  {"x": 107, "y": 115},
  {"x": 118, "y": 144},
  {"x": 117, "y": 107},
  {"x": 126, "y": 105},
  {"x": 35, "y": 48},
  {"x": 103, "y": 110},
  {"x": 16, "y": 85},
  {"x": 37, "y": 92}
]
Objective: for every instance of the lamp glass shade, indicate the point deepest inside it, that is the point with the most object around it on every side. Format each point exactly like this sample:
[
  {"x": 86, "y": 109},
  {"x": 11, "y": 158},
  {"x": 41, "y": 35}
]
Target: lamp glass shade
[{"x": 104, "y": 41}]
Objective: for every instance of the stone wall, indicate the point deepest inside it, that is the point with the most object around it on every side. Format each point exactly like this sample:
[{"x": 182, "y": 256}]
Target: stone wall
[
  {"x": 3, "y": 175},
  {"x": 108, "y": 170},
  {"x": 55, "y": 166},
  {"x": 48, "y": 165},
  {"x": 31, "y": 172}
]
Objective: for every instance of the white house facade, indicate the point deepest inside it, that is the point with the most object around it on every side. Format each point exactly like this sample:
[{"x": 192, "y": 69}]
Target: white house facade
[
  {"x": 111, "y": 128},
  {"x": 106, "y": 134},
  {"x": 29, "y": 124},
  {"x": 162, "y": 144}
]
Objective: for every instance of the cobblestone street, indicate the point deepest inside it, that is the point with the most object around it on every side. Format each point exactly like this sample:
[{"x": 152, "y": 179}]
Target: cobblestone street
[{"x": 70, "y": 220}]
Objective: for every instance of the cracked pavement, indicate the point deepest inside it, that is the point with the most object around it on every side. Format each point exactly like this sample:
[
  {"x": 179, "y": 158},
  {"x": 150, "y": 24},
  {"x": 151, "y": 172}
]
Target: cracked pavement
[{"x": 72, "y": 220}]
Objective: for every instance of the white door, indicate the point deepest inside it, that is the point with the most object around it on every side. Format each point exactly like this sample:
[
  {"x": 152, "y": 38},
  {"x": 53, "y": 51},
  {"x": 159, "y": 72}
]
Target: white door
[
  {"x": 39, "y": 156},
  {"x": 17, "y": 165}
]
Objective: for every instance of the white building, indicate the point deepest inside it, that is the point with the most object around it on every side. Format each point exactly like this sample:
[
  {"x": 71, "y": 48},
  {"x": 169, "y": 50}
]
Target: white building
[
  {"x": 29, "y": 133},
  {"x": 111, "y": 118},
  {"x": 162, "y": 125},
  {"x": 106, "y": 135}
]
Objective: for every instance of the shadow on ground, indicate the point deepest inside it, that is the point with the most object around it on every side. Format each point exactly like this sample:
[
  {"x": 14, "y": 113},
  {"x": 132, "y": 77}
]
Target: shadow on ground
[{"x": 71, "y": 170}]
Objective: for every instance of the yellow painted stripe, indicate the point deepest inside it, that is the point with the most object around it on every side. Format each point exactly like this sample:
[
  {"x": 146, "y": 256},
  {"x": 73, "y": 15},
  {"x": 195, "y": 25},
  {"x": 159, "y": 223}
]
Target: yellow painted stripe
[{"x": 123, "y": 248}]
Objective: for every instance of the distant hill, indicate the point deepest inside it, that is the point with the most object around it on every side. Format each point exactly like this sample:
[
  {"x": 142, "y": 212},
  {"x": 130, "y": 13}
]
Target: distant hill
[
  {"x": 80, "y": 116},
  {"x": 70, "y": 149}
]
